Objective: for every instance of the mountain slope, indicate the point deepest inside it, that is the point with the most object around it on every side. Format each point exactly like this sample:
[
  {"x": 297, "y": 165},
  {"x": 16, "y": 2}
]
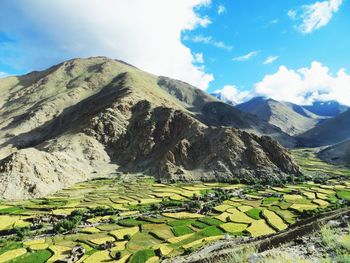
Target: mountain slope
[
  {"x": 337, "y": 154},
  {"x": 328, "y": 132},
  {"x": 214, "y": 112},
  {"x": 86, "y": 117},
  {"x": 289, "y": 117}
]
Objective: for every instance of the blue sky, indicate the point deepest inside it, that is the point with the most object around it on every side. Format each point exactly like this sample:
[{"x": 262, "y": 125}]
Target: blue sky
[
  {"x": 264, "y": 27},
  {"x": 289, "y": 50}
]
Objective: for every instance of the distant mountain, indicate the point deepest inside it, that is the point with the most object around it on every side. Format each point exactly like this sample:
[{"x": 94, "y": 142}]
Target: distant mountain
[
  {"x": 337, "y": 154},
  {"x": 326, "y": 108},
  {"x": 91, "y": 117},
  {"x": 327, "y": 132},
  {"x": 290, "y": 118},
  {"x": 222, "y": 97}
]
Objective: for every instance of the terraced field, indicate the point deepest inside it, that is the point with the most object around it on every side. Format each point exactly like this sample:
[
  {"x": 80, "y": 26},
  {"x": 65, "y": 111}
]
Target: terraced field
[
  {"x": 139, "y": 220},
  {"x": 150, "y": 221}
]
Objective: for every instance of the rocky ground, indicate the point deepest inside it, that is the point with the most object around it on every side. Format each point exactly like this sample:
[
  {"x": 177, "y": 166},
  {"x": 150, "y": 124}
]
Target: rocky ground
[{"x": 330, "y": 244}]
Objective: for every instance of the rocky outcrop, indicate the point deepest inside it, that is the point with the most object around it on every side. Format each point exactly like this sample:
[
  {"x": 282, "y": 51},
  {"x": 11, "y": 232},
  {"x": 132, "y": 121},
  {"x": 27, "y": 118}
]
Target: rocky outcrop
[
  {"x": 90, "y": 117},
  {"x": 172, "y": 145}
]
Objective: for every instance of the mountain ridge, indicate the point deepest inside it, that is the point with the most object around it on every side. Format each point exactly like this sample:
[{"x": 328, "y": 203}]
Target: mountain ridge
[{"x": 290, "y": 118}]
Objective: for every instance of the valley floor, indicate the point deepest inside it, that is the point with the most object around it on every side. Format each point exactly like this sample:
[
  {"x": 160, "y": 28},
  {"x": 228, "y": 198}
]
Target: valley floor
[{"x": 135, "y": 219}]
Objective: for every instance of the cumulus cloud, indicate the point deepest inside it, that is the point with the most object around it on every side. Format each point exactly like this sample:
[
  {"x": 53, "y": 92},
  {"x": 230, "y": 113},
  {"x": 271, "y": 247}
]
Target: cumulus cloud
[
  {"x": 246, "y": 57},
  {"x": 221, "y": 9},
  {"x": 270, "y": 60},
  {"x": 232, "y": 94},
  {"x": 305, "y": 85},
  {"x": 209, "y": 41},
  {"x": 144, "y": 33},
  {"x": 314, "y": 16}
]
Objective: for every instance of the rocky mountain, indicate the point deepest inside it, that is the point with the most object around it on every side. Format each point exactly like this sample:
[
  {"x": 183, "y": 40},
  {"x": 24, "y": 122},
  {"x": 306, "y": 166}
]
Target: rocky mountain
[
  {"x": 290, "y": 118},
  {"x": 326, "y": 108},
  {"x": 337, "y": 154},
  {"x": 90, "y": 117},
  {"x": 328, "y": 132}
]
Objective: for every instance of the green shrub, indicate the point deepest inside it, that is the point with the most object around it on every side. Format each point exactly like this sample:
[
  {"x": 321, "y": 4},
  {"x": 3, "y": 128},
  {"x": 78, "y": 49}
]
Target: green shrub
[{"x": 21, "y": 232}]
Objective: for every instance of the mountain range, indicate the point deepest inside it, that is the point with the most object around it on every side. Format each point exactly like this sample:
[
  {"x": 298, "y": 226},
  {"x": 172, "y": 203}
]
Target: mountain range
[
  {"x": 322, "y": 124},
  {"x": 97, "y": 116},
  {"x": 290, "y": 118}
]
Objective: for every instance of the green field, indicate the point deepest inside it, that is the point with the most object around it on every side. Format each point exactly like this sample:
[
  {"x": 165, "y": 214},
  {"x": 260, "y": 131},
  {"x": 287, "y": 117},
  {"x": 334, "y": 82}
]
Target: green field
[{"x": 145, "y": 220}]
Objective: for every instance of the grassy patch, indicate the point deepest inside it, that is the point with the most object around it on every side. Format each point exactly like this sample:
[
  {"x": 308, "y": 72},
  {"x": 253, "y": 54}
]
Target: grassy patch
[
  {"x": 200, "y": 225},
  {"x": 12, "y": 210},
  {"x": 142, "y": 256},
  {"x": 184, "y": 222},
  {"x": 210, "y": 221},
  {"x": 211, "y": 231},
  {"x": 270, "y": 201},
  {"x": 344, "y": 194},
  {"x": 254, "y": 213},
  {"x": 35, "y": 257},
  {"x": 8, "y": 245},
  {"x": 181, "y": 230}
]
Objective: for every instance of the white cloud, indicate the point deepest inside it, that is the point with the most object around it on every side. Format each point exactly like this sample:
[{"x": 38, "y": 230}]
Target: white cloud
[
  {"x": 232, "y": 94},
  {"x": 146, "y": 34},
  {"x": 198, "y": 58},
  {"x": 315, "y": 16},
  {"x": 305, "y": 85},
  {"x": 270, "y": 59},
  {"x": 221, "y": 9},
  {"x": 3, "y": 74},
  {"x": 246, "y": 57},
  {"x": 292, "y": 14},
  {"x": 209, "y": 41}
]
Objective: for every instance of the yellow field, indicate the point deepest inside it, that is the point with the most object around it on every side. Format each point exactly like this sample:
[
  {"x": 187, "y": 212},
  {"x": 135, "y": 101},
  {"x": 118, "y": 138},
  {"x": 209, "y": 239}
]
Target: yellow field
[
  {"x": 120, "y": 233},
  {"x": 202, "y": 241},
  {"x": 182, "y": 215},
  {"x": 239, "y": 217},
  {"x": 320, "y": 202},
  {"x": 163, "y": 249},
  {"x": 222, "y": 208},
  {"x": 102, "y": 240},
  {"x": 59, "y": 252},
  {"x": 174, "y": 240},
  {"x": 7, "y": 222},
  {"x": 223, "y": 217},
  {"x": 233, "y": 227},
  {"x": 303, "y": 207},
  {"x": 260, "y": 228},
  {"x": 12, "y": 254},
  {"x": 90, "y": 230},
  {"x": 274, "y": 220}
]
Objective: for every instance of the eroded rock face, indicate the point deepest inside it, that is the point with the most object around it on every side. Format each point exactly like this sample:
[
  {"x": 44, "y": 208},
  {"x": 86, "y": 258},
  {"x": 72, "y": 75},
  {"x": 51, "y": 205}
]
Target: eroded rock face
[
  {"x": 171, "y": 144},
  {"x": 88, "y": 117}
]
